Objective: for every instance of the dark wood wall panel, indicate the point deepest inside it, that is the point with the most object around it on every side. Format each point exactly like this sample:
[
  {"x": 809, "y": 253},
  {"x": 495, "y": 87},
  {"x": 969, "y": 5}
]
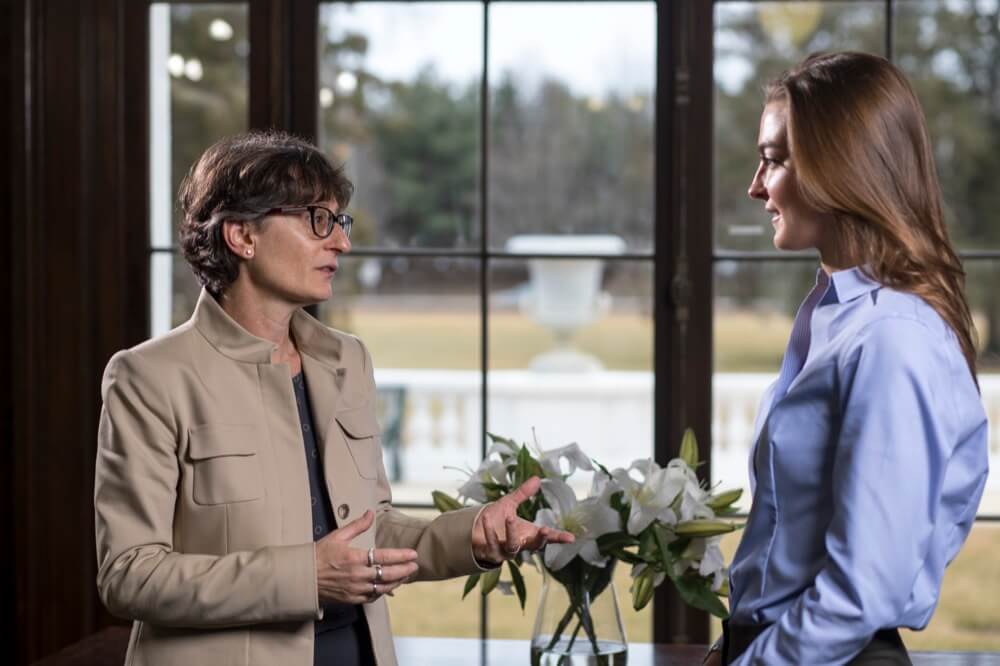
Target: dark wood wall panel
[{"x": 77, "y": 295}]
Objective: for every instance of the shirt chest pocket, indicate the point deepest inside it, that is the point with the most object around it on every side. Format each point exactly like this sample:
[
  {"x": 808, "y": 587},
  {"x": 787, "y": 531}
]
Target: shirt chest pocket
[
  {"x": 361, "y": 434},
  {"x": 225, "y": 462}
]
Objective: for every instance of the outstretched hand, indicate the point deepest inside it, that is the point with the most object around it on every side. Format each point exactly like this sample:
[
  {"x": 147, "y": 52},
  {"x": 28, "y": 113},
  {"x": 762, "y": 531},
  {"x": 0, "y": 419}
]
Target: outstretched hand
[{"x": 499, "y": 534}]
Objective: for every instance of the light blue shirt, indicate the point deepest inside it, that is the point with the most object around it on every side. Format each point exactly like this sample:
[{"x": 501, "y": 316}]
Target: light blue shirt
[{"x": 869, "y": 462}]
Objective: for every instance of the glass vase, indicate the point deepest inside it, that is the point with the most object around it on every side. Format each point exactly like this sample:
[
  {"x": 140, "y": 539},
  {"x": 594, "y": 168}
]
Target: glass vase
[{"x": 578, "y": 622}]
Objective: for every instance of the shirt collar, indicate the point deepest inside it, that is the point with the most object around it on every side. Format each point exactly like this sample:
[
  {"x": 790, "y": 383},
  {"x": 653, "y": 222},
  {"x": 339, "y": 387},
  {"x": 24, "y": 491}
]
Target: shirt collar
[
  {"x": 232, "y": 340},
  {"x": 845, "y": 285}
]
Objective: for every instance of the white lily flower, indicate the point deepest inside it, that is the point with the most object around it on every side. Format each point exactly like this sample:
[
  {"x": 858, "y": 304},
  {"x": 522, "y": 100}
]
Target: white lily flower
[
  {"x": 712, "y": 562},
  {"x": 694, "y": 498},
  {"x": 502, "y": 448},
  {"x": 551, "y": 460},
  {"x": 587, "y": 521},
  {"x": 650, "y": 499},
  {"x": 490, "y": 471}
]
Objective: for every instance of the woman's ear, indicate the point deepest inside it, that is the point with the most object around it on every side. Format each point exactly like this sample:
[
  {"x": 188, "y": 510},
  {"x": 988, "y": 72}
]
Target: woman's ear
[{"x": 239, "y": 237}]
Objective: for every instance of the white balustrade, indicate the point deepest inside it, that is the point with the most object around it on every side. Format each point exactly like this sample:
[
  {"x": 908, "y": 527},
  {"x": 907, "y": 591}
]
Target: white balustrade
[{"x": 610, "y": 414}]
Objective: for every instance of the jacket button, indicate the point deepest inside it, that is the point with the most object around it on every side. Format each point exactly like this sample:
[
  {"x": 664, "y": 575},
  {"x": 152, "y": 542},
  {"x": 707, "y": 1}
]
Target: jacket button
[{"x": 343, "y": 511}]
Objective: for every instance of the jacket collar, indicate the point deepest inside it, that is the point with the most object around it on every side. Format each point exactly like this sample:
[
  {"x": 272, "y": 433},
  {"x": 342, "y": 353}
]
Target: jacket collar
[{"x": 235, "y": 342}]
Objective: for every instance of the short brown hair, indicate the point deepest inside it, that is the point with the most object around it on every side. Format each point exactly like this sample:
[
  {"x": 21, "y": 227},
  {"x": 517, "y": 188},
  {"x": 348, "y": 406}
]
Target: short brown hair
[{"x": 242, "y": 177}]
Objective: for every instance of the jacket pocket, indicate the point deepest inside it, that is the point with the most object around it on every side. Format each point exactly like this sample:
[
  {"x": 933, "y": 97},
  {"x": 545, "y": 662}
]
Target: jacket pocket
[
  {"x": 361, "y": 434},
  {"x": 224, "y": 458}
]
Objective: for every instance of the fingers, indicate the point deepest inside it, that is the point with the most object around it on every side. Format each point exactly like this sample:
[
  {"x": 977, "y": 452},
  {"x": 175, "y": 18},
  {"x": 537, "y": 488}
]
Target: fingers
[
  {"x": 512, "y": 542},
  {"x": 352, "y": 529},
  {"x": 553, "y": 535},
  {"x": 386, "y": 556},
  {"x": 391, "y": 574},
  {"x": 493, "y": 550},
  {"x": 525, "y": 491}
]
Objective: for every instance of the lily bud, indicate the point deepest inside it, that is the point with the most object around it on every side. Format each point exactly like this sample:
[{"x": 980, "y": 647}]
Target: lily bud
[
  {"x": 445, "y": 503},
  {"x": 642, "y": 588},
  {"x": 724, "y": 500},
  {"x": 703, "y": 528}
]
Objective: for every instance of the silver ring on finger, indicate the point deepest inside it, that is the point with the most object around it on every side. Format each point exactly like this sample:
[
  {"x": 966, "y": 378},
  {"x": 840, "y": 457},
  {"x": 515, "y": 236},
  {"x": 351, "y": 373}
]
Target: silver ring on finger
[
  {"x": 374, "y": 589},
  {"x": 378, "y": 573},
  {"x": 371, "y": 556}
]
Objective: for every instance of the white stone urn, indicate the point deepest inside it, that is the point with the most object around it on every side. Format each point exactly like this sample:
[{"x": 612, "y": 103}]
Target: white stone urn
[{"x": 565, "y": 294}]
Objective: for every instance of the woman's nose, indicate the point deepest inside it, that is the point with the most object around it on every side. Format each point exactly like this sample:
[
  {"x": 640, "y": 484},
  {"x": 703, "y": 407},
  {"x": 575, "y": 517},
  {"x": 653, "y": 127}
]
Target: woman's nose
[
  {"x": 757, "y": 189},
  {"x": 338, "y": 240}
]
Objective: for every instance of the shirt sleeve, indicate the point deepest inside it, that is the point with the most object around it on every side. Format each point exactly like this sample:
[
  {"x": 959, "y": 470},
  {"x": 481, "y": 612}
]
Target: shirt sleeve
[{"x": 888, "y": 467}]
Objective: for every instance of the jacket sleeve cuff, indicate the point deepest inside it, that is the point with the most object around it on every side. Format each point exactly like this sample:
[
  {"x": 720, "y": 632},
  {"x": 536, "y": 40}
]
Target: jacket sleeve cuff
[{"x": 297, "y": 594}]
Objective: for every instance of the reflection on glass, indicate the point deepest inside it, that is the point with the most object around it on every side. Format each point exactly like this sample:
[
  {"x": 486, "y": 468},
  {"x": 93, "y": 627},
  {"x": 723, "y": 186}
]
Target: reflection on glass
[
  {"x": 198, "y": 94},
  {"x": 607, "y": 411},
  {"x": 420, "y": 319},
  {"x": 755, "y": 42},
  {"x": 950, "y": 50},
  {"x": 453, "y": 617},
  {"x": 399, "y": 104},
  {"x": 572, "y": 91}
]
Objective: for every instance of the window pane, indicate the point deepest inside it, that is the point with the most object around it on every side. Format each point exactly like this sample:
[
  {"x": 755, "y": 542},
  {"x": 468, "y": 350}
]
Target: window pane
[
  {"x": 950, "y": 51},
  {"x": 755, "y": 304},
  {"x": 452, "y": 615},
  {"x": 581, "y": 372},
  {"x": 571, "y": 359},
  {"x": 572, "y": 88},
  {"x": 399, "y": 103},
  {"x": 755, "y": 42},
  {"x": 420, "y": 319},
  {"x": 198, "y": 93}
]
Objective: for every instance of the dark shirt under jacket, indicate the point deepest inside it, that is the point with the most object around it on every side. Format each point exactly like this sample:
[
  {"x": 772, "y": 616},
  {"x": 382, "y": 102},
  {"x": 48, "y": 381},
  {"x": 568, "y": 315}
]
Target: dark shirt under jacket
[{"x": 342, "y": 635}]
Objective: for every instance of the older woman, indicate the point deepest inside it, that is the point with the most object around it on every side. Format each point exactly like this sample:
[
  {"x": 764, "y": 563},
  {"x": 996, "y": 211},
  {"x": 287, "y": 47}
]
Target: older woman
[
  {"x": 243, "y": 513},
  {"x": 870, "y": 448}
]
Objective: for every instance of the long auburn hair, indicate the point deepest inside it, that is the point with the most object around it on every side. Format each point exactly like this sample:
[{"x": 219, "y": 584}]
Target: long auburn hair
[{"x": 862, "y": 152}]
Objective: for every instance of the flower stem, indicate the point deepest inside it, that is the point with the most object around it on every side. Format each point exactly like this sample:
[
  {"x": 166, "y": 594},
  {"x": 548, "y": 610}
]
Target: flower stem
[{"x": 561, "y": 627}]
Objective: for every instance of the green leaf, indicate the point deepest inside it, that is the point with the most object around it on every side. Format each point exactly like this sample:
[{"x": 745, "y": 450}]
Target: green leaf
[
  {"x": 703, "y": 528},
  {"x": 724, "y": 500},
  {"x": 625, "y": 556},
  {"x": 515, "y": 575},
  {"x": 647, "y": 545},
  {"x": 663, "y": 539},
  {"x": 488, "y": 580},
  {"x": 697, "y": 592},
  {"x": 689, "y": 448},
  {"x": 503, "y": 440},
  {"x": 470, "y": 583},
  {"x": 444, "y": 502},
  {"x": 616, "y": 540}
]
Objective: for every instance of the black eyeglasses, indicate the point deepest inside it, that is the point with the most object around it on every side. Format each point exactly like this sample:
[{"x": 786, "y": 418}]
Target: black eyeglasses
[{"x": 322, "y": 219}]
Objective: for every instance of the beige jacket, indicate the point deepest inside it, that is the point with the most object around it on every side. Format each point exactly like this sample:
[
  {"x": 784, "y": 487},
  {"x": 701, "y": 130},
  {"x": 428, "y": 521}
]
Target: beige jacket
[{"x": 202, "y": 501}]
